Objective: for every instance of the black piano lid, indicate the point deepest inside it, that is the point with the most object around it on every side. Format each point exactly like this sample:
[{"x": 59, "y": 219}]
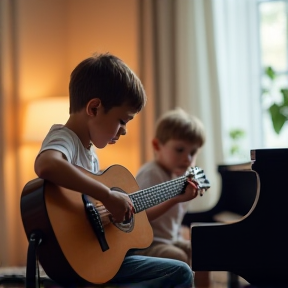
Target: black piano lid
[{"x": 270, "y": 153}]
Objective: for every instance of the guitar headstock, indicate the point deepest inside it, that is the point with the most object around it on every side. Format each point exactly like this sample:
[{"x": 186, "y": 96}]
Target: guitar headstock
[{"x": 197, "y": 175}]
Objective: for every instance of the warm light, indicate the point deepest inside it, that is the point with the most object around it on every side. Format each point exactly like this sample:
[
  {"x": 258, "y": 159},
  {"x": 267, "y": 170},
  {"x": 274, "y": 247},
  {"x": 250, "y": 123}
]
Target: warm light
[{"x": 41, "y": 114}]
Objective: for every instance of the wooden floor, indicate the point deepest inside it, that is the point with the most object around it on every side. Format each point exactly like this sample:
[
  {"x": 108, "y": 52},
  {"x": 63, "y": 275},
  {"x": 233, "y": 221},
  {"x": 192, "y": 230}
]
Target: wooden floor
[
  {"x": 220, "y": 280},
  {"x": 217, "y": 279}
]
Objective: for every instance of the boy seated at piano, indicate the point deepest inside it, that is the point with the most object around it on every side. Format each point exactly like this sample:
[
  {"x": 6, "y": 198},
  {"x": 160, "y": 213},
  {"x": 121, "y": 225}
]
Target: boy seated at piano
[{"x": 178, "y": 139}]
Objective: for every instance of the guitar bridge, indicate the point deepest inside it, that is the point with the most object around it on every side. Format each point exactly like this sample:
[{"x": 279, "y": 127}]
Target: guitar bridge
[{"x": 95, "y": 222}]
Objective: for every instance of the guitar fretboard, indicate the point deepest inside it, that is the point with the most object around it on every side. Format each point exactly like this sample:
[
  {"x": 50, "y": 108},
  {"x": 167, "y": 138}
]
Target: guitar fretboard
[{"x": 146, "y": 198}]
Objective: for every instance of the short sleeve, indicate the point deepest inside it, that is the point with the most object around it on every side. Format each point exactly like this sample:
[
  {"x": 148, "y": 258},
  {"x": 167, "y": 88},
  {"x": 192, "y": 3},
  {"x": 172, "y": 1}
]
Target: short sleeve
[
  {"x": 150, "y": 175},
  {"x": 60, "y": 141}
]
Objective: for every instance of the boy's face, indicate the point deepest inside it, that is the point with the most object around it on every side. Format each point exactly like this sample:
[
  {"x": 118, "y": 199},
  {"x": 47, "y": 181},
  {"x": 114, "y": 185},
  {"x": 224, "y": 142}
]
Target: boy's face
[
  {"x": 107, "y": 127},
  {"x": 176, "y": 156}
]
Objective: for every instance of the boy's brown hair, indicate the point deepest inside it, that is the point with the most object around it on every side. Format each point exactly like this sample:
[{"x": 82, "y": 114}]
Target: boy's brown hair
[
  {"x": 108, "y": 78},
  {"x": 179, "y": 125}
]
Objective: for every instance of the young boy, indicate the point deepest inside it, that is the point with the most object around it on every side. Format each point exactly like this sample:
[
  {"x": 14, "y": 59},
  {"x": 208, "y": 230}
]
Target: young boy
[
  {"x": 104, "y": 96},
  {"x": 178, "y": 139}
]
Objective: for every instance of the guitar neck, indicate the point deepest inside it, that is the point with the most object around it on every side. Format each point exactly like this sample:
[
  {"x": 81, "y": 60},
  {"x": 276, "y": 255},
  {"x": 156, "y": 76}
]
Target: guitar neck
[{"x": 152, "y": 196}]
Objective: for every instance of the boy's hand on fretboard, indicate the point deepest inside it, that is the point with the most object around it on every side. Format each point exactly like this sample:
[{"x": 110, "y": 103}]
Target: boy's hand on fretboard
[{"x": 191, "y": 192}]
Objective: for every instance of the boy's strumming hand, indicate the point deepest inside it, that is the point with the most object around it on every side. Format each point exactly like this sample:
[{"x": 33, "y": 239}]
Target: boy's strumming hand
[{"x": 120, "y": 206}]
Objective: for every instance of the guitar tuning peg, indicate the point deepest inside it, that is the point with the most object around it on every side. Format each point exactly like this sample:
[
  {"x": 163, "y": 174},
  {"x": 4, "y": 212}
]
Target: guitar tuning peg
[{"x": 202, "y": 192}]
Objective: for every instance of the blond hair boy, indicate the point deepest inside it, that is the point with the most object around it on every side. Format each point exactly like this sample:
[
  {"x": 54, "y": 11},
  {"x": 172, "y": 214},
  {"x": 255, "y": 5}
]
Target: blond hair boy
[{"x": 177, "y": 142}]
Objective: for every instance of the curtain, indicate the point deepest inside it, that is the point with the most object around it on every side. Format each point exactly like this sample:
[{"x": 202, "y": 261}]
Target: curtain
[
  {"x": 238, "y": 68},
  {"x": 181, "y": 64},
  {"x": 10, "y": 221},
  {"x": 178, "y": 61}
]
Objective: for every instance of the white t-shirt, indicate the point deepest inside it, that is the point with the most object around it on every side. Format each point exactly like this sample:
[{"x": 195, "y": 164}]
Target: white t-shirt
[
  {"x": 166, "y": 228},
  {"x": 63, "y": 139}
]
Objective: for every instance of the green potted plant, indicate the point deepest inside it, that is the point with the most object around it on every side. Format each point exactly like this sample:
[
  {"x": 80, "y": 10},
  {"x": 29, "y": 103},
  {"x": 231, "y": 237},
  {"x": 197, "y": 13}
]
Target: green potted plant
[
  {"x": 278, "y": 110},
  {"x": 236, "y": 153},
  {"x": 236, "y": 135}
]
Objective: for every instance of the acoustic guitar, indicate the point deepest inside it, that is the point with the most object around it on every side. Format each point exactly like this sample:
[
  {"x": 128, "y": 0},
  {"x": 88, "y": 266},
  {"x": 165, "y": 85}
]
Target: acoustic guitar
[{"x": 80, "y": 243}]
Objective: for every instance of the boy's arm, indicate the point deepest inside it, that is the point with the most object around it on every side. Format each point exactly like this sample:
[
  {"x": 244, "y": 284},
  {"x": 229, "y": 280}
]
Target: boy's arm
[
  {"x": 189, "y": 194},
  {"x": 51, "y": 165},
  {"x": 156, "y": 211}
]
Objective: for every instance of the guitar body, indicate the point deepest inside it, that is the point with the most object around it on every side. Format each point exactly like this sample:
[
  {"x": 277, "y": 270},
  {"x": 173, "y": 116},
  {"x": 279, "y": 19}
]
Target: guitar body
[{"x": 70, "y": 252}]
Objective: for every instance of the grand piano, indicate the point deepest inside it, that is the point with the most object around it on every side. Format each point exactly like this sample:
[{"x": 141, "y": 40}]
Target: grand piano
[{"x": 256, "y": 246}]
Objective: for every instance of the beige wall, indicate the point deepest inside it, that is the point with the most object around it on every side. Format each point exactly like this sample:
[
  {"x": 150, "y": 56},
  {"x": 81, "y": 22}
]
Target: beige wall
[
  {"x": 54, "y": 36},
  {"x": 108, "y": 26},
  {"x": 51, "y": 37}
]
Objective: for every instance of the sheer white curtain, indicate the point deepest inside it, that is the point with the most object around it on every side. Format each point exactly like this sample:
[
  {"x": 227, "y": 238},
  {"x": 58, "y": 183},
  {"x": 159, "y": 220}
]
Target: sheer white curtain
[
  {"x": 202, "y": 55},
  {"x": 179, "y": 68},
  {"x": 197, "y": 85},
  {"x": 236, "y": 39}
]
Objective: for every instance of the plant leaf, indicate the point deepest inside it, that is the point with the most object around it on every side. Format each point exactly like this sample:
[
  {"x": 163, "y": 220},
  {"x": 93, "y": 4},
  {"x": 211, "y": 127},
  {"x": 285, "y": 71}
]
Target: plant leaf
[
  {"x": 278, "y": 119},
  {"x": 270, "y": 72},
  {"x": 234, "y": 149},
  {"x": 236, "y": 134},
  {"x": 285, "y": 96},
  {"x": 265, "y": 91}
]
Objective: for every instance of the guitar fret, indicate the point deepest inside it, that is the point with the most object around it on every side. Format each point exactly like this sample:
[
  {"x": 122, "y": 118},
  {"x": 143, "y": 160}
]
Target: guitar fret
[{"x": 157, "y": 194}]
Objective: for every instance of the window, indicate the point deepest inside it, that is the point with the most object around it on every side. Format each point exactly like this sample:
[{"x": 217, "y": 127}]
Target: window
[
  {"x": 251, "y": 42},
  {"x": 273, "y": 39}
]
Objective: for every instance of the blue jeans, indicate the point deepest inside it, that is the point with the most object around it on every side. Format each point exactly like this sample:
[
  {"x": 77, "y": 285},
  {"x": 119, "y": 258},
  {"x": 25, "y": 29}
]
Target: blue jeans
[{"x": 142, "y": 271}]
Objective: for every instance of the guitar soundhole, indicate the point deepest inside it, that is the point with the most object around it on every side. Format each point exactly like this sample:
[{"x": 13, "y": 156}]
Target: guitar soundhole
[{"x": 127, "y": 225}]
